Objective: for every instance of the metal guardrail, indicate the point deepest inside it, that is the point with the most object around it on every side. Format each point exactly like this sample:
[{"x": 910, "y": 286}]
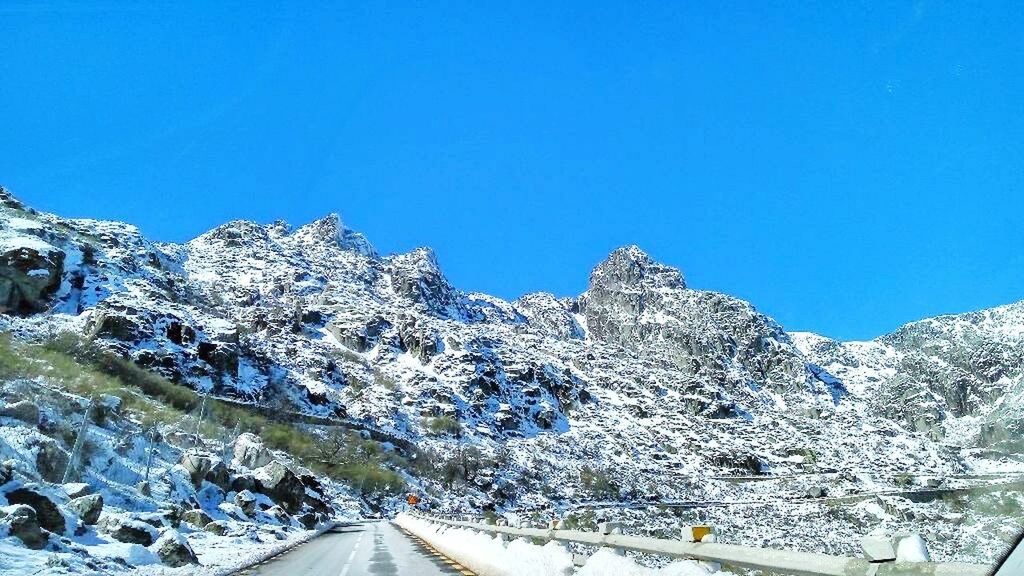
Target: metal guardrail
[{"x": 732, "y": 555}]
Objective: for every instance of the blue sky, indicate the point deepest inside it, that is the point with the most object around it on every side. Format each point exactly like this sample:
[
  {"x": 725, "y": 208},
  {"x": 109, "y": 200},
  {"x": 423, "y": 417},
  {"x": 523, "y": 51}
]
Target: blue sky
[{"x": 845, "y": 166}]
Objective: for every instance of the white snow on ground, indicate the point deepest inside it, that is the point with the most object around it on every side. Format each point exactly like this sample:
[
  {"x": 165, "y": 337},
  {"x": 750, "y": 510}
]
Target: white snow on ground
[
  {"x": 605, "y": 562},
  {"x": 489, "y": 556}
]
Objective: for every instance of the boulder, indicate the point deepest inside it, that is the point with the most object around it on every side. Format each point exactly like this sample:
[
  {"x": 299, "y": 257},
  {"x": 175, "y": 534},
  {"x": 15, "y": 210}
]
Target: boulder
[
  {"x": 247, "y": 502},
  {"x": 282, "y": 485},
  {"x": 198, "y": 465},
  {"x": 88, "y": 507},
  {"x": 77, "y": 489},
  {"x": 196, "y": 517},
  {"x": 219, "y": 475},
  {"x": 249, "y": 452},
  {"x": 219, "y": 527},
  {"x": 128, "y": 530},
  {"x": 309, "y": 520},
  {"x": 30, "y": 272},
  {"x": 279, "y": 514},
  {"x": 816, "y": 492},
  {"x": 47, "y": 512},
  {"x": 174, "y": 550},
  {"x": 23, "y": 523},
  {"x": 24, "y": 410}
]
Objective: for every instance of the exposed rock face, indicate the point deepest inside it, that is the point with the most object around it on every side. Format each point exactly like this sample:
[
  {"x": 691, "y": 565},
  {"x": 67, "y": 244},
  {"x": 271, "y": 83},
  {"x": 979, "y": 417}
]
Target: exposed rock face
[
  {"x": 23, "y": 523},
  {"x": 47, "y": 512},
  {"x": 174, "y": 550},
  {"x": 30, "y": 273},
  {"x": 417, "y": 276},
  {"x": 88, "y": 507},
  {"x": 929, "y": 373},
  {"x": 550, "y": 315}
]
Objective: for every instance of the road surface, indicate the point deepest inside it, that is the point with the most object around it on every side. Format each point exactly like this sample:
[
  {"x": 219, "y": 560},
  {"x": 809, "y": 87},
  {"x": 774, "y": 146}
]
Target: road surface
[{"x": 365, "y": 549}]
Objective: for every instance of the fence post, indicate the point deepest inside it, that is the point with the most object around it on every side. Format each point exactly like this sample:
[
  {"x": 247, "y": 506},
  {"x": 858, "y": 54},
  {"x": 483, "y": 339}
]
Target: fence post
[{"x": 79, "y": 440}]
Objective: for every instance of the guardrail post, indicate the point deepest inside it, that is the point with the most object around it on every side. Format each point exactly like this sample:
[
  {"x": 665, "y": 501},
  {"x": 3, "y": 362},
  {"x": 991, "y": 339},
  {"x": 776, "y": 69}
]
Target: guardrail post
[{"x": 606, "y": 528}]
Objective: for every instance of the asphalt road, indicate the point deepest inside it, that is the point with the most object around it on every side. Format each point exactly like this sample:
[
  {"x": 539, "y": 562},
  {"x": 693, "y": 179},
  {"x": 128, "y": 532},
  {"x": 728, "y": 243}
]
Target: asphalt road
[{"x": 366, "y": 549}]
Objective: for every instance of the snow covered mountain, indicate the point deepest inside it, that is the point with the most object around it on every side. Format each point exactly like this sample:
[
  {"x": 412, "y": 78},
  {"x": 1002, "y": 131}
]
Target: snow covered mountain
[{"x": 657, "y": 387}]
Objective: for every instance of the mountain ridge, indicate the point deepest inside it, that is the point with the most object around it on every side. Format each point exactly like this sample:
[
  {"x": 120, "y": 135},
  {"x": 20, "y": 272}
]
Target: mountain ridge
[{"x": 657, "y": 386}]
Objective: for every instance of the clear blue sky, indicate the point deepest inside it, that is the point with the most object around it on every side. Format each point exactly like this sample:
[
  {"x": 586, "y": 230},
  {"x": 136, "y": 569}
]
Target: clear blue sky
[{"x": 845, "y": 166}]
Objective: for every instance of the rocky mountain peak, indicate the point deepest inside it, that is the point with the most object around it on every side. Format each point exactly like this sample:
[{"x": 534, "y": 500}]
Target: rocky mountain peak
[
  {"x": 629, "y": 267},
  {"x": 8, "y": 200},
  {"x": 416, "y": 275},
  {"x": 332, "y": 230}
]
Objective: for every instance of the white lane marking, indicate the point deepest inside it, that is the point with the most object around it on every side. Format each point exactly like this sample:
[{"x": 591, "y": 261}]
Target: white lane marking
[{"x": 348, "y": 563}]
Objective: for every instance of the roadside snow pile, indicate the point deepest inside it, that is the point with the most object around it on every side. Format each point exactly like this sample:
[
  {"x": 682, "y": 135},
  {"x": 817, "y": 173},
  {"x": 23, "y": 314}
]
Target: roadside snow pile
[
  {"x": 605, "y": 562},
  {"x": 489, "y": 556}
]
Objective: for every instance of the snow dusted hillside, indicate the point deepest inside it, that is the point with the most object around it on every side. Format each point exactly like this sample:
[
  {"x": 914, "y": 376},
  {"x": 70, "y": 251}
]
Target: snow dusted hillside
[{"x": 639, "y": 390}]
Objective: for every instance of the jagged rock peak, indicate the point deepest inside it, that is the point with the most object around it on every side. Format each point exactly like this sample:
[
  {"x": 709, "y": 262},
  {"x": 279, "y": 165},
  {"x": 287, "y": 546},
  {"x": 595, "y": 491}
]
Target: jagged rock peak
[
  {"x": 236, "y": 233},
  {"x": 330, "y": 228},
  {"x": 630, "y": 266},
  {"x": 417, "y": 275},
  {"x": 8, "y": 200}
]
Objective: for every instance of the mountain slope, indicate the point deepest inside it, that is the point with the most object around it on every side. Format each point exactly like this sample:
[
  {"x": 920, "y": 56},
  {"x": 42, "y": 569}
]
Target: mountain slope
[{"x": 642, "y": 382}]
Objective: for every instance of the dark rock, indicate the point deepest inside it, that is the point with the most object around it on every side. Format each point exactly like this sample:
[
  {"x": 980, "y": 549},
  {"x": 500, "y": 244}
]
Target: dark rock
[
  {"x": 217, "y": 527},
  {"x": 174, "y": 550},
  {"x": 118, "y": 323},
  {"x": 6, "y": 471},
  {"x": 247, "y": 502},
  {"x": 51, "y": 460},
  {"x": 282, "y": 485},
  {"x": 88, "y": 507},
  {"x": 29, "y": 276},
  {"x": 128, "y": 530},
  {"x": 219, "y": 475},
  {"x": 279, "y": 514},
  {"x": 243, "y": 482},
  {"x": 196, "y": 517},
  {"x": 24, "y": 410},
  {"x": 309, "y": 520},
  {"x": 24, "y": 524},
  {"x": 47, "y": 512}
]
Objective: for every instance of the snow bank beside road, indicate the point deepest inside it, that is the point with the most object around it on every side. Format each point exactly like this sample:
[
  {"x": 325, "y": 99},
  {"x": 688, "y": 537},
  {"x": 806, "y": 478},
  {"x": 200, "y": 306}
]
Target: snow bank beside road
[
  {"x": 606, "y": 563},
  {"x": 489, "y": 556}
]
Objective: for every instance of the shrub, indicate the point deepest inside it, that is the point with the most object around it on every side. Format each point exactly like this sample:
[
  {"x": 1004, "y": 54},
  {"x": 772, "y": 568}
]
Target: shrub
[
  {"x": 599, "y": 483},
  {"x": 443, "y": 425}
]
